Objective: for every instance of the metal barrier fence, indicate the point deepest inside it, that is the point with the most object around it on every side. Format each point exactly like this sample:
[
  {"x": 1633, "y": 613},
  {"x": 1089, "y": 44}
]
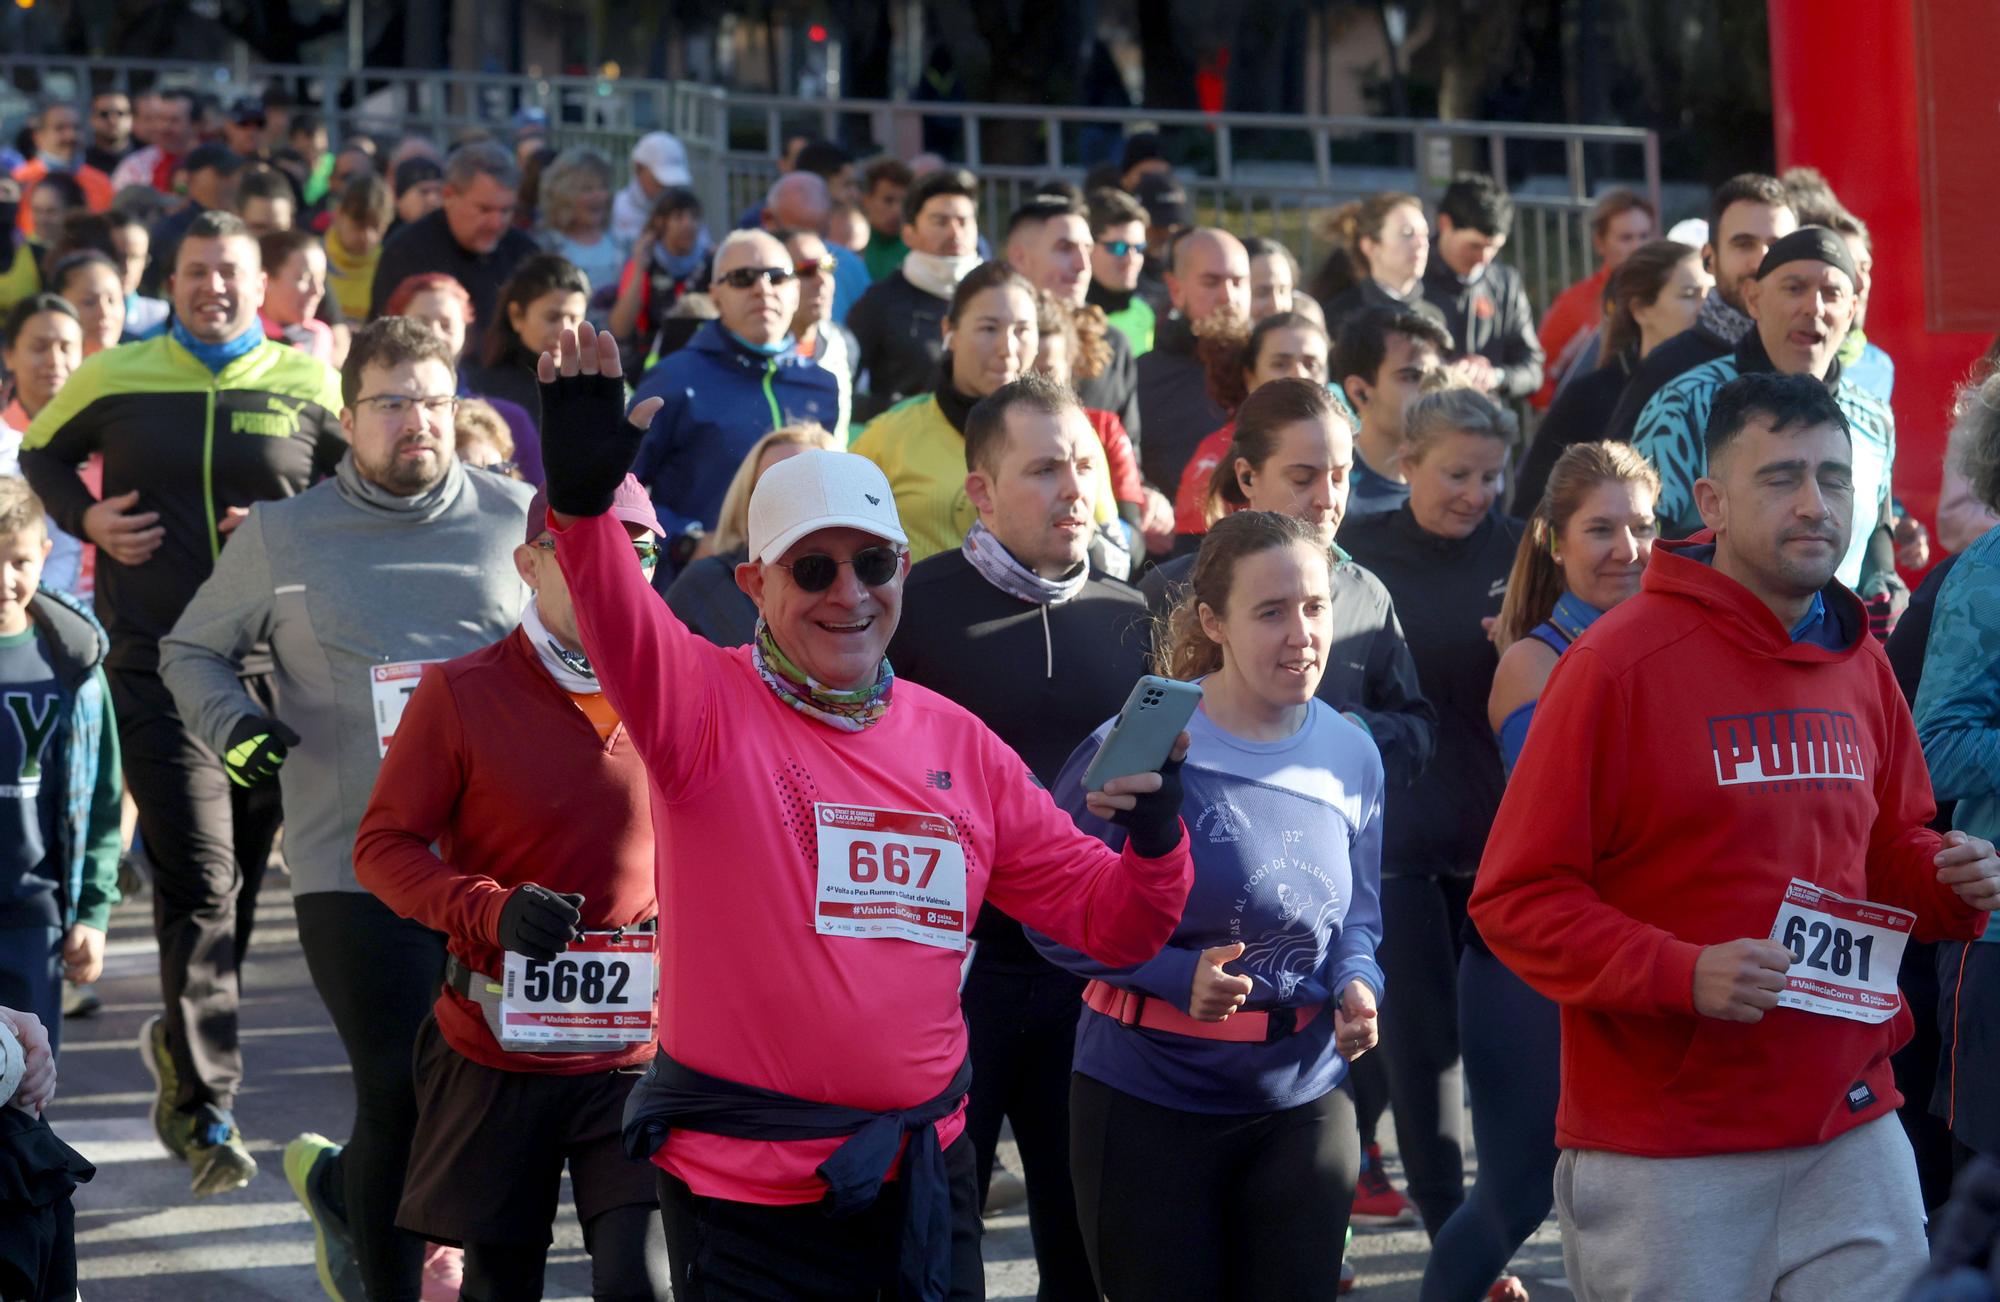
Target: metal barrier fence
[{"x": 1254, "y": 173}]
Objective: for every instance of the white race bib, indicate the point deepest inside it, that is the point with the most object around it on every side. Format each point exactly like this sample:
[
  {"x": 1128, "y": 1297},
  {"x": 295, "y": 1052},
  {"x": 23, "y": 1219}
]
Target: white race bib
[
  {"x": 391, "y": 685},
  {"x": 890, "y": 873},
  {"x": 1845, "y": 953},
  {"x": 598, "y": 990}
]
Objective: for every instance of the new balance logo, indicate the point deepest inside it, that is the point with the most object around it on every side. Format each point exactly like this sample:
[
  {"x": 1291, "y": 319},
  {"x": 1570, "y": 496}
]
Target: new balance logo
[
  {"x": 872, "y": 499},
  {"x": 938, "y": 779},
  {"x": 1786, "y": 746}
]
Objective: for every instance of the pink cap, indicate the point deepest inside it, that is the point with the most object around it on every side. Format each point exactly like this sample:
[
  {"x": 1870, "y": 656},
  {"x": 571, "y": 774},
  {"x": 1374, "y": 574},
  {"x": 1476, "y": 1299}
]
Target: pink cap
[{"x": 631, "y": 504}]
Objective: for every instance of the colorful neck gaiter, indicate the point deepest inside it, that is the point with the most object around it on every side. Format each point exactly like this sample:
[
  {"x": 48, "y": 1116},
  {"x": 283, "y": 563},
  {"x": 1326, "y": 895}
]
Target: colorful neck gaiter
[{"x": 849, "y": 711}]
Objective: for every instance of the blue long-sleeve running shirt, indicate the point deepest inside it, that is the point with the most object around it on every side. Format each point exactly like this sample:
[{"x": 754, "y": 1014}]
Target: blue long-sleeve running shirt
[{"x": 1287, "y": 844}]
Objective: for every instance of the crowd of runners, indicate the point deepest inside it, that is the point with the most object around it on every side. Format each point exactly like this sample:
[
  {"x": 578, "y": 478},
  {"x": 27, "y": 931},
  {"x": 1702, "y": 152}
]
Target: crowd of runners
[{"x": 683, "y": 661}]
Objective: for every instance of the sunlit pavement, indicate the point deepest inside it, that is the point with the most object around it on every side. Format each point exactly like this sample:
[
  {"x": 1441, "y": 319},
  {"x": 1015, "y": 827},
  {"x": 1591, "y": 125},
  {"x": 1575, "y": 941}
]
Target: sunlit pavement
[{"x": 141, "y": 1237}]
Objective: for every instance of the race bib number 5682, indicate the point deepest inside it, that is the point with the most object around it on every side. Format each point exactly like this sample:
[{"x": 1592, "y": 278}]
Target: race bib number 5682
[
  {"x": 599, "y": 989},
  {"x": 1845, "y": 953},
  {"x": 889, "y": 873}
]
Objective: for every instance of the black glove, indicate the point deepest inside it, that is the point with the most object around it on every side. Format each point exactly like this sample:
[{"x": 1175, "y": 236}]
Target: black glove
[
  {"x": 538, "y": 922},
  {"x": 256, "y": 750},
  {"x": 1153, "y": 824},
  {"x": 587, "y": 444}
]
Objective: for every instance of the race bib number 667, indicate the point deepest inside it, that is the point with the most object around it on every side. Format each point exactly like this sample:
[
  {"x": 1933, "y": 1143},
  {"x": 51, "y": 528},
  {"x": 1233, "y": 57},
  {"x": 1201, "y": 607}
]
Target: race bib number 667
[
  {"x": 1845, "y": 953},
  {"x": 889, "y": 874}
]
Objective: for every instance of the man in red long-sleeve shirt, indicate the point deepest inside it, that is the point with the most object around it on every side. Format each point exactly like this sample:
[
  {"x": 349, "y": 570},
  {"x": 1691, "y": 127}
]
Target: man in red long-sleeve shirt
[
  {"x": 513, "y": 763},
  {"x": 1711, "y": 854}
]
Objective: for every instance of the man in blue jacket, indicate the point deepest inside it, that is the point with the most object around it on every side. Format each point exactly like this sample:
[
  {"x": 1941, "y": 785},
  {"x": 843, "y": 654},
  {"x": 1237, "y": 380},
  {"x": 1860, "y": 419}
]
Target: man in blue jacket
[{"x": 738, "y": 379}]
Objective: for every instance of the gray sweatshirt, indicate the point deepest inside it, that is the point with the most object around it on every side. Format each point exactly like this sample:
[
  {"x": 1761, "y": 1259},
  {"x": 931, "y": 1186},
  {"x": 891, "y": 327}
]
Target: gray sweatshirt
[{"x": 350, "y": 584}]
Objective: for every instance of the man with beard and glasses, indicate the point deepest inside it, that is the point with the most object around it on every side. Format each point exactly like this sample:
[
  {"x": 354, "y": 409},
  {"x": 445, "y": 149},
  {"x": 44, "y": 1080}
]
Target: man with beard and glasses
[
  {"x": 193, "y": 427},
  {"x": 402, "y": 559},
  {"x": 1208, "y": 281}
]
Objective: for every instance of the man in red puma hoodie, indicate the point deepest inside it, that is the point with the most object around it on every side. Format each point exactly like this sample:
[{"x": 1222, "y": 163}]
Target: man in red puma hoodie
[{"x": 1710, "y": 855}]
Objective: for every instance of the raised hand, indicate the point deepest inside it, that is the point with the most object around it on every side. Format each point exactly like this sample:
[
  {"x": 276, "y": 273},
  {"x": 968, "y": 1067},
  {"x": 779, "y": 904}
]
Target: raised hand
[
  {"x": 1146, "y": 805},
  {"x": 588, "y": 439}
]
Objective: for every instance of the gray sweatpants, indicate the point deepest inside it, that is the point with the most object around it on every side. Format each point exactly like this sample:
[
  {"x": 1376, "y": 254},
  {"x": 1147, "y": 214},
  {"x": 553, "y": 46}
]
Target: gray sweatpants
[{"x": 1840, "y": 1220}]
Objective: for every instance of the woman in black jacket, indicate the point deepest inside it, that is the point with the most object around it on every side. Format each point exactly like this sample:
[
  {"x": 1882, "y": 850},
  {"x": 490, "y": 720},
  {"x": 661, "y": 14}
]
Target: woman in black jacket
[
  {"x": 1653, "y": 296},
  {"x": 1444, "y": 556},
  {"x": 545, "y": 295}
]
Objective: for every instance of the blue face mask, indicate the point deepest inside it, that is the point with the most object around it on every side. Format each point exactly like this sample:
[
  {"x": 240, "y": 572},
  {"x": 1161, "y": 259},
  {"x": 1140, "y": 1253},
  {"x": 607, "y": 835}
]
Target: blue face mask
[{"x": 762, "y": 350}]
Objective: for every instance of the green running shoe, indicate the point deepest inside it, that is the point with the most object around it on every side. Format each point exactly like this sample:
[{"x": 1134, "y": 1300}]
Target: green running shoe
[{"x": 309, "y": 1161}]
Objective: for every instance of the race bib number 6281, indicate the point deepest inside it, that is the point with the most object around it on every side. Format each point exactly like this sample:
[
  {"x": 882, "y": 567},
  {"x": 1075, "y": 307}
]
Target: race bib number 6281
[{"x": 1845, "y": 953}]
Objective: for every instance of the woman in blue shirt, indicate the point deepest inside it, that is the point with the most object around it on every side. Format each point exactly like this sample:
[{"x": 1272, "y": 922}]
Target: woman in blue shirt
[
  {"x": 1213, "y": 1152},
  {"x": 1584, "y": 551}
]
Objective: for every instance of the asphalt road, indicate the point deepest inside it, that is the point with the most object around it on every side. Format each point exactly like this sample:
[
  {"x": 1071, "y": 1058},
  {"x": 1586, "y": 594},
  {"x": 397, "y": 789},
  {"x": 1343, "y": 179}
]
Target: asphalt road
[{"x": 141, "y": 1239}]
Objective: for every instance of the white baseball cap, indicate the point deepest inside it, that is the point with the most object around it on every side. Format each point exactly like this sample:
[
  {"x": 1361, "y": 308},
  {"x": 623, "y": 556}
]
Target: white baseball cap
[
  {"x": 815, "y": 490},
  {"x": 1692, "y": 232},
  {"x": 663, "y": 156}
]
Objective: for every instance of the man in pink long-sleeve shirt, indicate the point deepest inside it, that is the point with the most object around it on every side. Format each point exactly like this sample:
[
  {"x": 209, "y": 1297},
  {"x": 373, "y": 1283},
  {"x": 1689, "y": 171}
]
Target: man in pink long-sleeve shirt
[{"x": 824, "y": 835}]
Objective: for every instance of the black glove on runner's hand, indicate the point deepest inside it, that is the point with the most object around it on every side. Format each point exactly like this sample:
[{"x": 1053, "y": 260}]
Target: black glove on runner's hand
[
  {"x": 587, "y": 444},
  {"x": 1153, "y": 824},
  {"x": 538, "y": 922},
  {"x": 256, "y": 750}
]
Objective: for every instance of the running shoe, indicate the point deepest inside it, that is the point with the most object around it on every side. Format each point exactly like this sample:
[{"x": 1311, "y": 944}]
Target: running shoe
[
  {"x": 1508, "y": 1288},
  {"x": 309, "y": 1160},
  {"x": 160, "y": 1066},
  {"x": 444, "y": 1273},
  {"x": 1376, "y": 1200},
  {"x": 80, "y": 1001},
  {"x": 1349, "y": 1281},
  {"x": 216, "y": 1152}
]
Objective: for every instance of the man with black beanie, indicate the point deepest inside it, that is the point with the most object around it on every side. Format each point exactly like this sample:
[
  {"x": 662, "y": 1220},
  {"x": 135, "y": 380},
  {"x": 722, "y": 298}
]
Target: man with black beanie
[{"x": 1801, "y": 301}]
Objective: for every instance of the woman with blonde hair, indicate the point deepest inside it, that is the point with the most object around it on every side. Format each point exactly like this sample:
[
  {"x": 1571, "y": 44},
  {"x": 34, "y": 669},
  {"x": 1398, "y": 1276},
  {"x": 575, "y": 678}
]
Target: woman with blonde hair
[
  {"x": 1381, "y": 246},
  {"x": 705, "y": 595},
  {"x": 1585, "y": 551},
  {"x": 484, "y": 442},
  {"x": 575, "y": 211},
  {"x": 1444, "y": 556}
]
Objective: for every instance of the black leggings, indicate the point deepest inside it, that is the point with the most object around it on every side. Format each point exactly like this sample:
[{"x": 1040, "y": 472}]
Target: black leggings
[
  {"x": 1513, "y": 1063},
  {"x": 1021, "y": 1027},
  {"x": 628, "y": 1262},
  {"x": 1422, "y": 921},
  {"x": 1201, "y": 1206},
  {"x": 378, "y": 976},
  {"x": 208, "y": 840}
]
